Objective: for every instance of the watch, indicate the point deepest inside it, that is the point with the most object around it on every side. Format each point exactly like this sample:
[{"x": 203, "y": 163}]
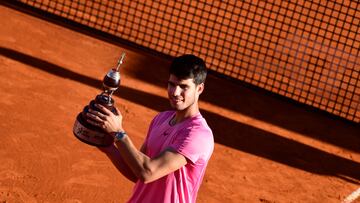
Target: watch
[{"x": 119, "y": 136}]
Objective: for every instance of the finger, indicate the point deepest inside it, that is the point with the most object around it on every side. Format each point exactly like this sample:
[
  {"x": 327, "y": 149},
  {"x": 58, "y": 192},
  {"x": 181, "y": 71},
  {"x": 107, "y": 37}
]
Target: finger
[
  {"x": 96, "y": 116},
  {"x": 92, "y": 122},
  {"x": 98, "y": 113},
  {"x": 103, "y": 109}
]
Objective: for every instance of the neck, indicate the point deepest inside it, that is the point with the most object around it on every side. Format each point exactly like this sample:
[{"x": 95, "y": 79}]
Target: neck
[{"x": 181, "y": 115}]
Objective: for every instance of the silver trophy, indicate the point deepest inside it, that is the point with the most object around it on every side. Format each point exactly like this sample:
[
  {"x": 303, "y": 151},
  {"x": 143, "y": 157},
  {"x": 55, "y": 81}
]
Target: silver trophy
[{"x": 91, "y": 134}]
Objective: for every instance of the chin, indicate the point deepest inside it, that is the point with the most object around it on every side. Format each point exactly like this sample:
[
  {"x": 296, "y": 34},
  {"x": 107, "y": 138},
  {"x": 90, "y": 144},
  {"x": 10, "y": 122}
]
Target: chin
[{"x": 177, "y": 107}]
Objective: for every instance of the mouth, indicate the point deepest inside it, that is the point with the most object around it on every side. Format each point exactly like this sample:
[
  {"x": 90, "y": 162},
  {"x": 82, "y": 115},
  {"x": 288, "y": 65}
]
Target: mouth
[{"x": 176, "y": 101}]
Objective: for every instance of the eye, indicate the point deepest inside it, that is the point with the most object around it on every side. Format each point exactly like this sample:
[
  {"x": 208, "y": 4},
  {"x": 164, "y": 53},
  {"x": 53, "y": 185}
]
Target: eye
[{"x": 184, "y": 87}]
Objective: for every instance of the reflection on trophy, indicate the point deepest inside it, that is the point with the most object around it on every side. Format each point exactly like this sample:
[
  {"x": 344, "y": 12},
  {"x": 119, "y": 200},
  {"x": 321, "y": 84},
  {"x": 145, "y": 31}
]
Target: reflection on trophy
[{"x": 94, "y": 135}]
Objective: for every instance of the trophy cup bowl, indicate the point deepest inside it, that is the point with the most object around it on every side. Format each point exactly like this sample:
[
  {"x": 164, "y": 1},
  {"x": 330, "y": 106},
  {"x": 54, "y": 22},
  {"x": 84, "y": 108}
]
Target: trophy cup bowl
[{"x": 87, "y": 132}]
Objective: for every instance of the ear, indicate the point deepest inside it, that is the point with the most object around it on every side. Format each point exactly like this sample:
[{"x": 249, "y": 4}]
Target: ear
[{"x": 200, "y": 88}]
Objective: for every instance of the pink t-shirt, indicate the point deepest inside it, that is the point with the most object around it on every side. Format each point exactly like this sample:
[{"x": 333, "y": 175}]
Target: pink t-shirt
[{"x": 193, "y": 139}]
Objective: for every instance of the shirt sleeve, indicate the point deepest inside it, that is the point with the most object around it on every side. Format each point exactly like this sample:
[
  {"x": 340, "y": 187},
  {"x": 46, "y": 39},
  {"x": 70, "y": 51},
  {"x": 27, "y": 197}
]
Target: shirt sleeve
[{"x": 194, "y": 143}]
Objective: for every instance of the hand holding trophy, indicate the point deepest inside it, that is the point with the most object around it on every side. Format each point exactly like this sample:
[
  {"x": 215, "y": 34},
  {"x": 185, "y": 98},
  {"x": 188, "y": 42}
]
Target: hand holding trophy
[{"x": 91, "y": 134}]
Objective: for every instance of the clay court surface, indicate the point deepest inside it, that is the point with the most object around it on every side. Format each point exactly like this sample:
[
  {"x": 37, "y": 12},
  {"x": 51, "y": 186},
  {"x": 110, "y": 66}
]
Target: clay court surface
[{"x": 267, "y": 149}]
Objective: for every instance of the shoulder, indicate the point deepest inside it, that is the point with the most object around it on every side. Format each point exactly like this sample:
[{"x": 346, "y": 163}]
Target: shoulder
[
  {"x": 199, "y": 125},
  {"x": 197, "y": 131},
  {"x": 195, "y": 141},
  {"x": 162, "y": 116}
]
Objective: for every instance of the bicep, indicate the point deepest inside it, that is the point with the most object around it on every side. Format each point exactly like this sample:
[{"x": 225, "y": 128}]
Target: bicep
[{"x": 168, "y": 161}]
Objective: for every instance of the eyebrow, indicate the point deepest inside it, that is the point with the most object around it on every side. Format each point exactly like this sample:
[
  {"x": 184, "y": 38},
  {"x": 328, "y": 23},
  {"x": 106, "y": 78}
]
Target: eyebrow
[{"x": 180, "y": 84}]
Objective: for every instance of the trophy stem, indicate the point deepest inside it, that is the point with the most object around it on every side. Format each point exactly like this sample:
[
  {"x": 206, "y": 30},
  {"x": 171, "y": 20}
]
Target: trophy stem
[
  {"x": 110, "y": 95},
  {"x": 120, "y": 61}
]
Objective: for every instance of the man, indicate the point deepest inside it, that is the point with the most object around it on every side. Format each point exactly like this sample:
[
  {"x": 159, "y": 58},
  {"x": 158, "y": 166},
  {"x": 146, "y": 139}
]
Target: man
[{"x": 171, "y": 163}]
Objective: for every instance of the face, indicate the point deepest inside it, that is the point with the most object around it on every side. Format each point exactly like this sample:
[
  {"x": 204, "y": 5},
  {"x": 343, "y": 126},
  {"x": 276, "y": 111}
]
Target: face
[{"x": 183, "y": 94}]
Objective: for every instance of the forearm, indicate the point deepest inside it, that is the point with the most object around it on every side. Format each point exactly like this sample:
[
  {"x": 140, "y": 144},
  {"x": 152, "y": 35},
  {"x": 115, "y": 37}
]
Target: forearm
[
  {"x": 135, "y": 159},
  {"x": 111, "y": 123},
  {"x": 115, "y": 157}
]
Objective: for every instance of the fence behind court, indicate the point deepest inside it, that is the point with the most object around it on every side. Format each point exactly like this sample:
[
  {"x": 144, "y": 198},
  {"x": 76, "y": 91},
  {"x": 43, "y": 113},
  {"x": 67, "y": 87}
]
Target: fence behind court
[{"x": 307, "y": 51}]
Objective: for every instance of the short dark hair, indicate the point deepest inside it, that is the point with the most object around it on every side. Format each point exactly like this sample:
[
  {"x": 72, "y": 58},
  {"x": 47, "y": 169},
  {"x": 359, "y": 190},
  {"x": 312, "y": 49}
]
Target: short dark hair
[{"x": 189, "y": 66}]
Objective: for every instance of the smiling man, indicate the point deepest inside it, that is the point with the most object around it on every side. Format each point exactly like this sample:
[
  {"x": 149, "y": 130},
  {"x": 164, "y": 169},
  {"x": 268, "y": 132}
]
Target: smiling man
[{"x": 171, "y": 163}]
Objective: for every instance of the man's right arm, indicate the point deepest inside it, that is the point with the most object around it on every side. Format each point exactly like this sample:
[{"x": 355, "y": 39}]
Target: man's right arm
[{"x": 113, "y": 154}]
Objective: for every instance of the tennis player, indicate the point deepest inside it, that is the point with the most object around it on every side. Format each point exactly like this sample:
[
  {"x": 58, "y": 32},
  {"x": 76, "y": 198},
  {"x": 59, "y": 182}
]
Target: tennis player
[{"x": 171, "y": 163}]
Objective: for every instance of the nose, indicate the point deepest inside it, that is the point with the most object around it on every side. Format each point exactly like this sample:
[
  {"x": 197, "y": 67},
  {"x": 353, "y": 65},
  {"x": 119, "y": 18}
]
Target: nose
[{"x": 175, "y": 91}]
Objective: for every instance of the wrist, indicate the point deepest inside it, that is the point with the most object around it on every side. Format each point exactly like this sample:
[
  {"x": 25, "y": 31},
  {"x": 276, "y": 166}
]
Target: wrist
[
  {"x": 113, "y": 132},
  {"x": 120, "y": 135}
]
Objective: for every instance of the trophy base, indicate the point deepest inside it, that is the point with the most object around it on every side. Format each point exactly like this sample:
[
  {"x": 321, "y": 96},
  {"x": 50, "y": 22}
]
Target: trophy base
[{"x": 89, "y": 134}]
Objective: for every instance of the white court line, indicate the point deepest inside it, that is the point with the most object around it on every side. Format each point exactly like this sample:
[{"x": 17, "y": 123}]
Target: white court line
[{"x": 352, "y": 197}]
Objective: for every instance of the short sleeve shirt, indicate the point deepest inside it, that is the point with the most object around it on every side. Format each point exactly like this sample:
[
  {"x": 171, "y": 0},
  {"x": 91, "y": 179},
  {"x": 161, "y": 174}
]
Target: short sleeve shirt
[{"x": 193, "y": 139}]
